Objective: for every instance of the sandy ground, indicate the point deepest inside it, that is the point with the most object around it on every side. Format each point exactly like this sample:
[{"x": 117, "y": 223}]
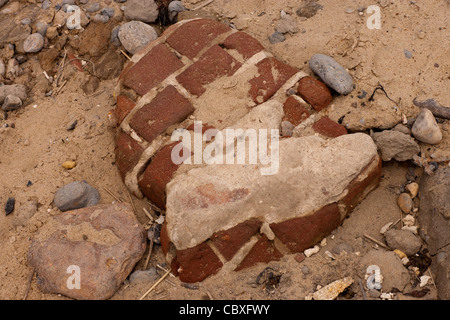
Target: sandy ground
[{"x": 38, "y": 143}]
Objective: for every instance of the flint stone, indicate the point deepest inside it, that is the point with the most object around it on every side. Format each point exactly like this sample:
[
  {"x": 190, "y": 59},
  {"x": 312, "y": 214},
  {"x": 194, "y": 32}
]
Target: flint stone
[
  {"x": 395, "y": 145},
  {"x": 426, "y": 129},
  {"x": 331, "y": 73},
  {"x": 33, "y": 43},
  {"x": 135, "y": 35},
  {"x": 76, "y": 195},
  {"x": 102, "y": 242},
  {"x": 11, "y": 103},
  {"x": 403, "y": 240}
]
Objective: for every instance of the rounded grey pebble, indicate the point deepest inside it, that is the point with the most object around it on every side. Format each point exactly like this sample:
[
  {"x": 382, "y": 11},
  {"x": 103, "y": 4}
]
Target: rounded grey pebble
[
  {"x": 426, "y": 129},
  {"x": 135, "y": 35},
  {"x": 101, "y": 18},
  {"x": 11, "y": 103},
  {"x": 41, "y": 28},
  {"x": 141, "y": 276},
  {"x": 331, "y": 73},
  {"x": 33, "y": 43},
  {"x": 76, "y": 195},
  {"x": 46, "y": 4},
  {"x": 276, "y": 37},
  {"x": 108, "y": 12},
  {"x": 25, "y": 21}
]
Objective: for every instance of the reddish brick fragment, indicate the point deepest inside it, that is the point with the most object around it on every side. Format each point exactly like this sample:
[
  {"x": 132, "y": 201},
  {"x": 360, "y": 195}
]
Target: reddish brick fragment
[
  {"x": 196, "y": 264},
  {"x": 228, "y": 242},
  {"x": 358, "y": 189},
  {"x": 263, "y": 251},
  {"x": 128, "y": 152},
  {"x": 152, "y": 69},
  {"x": 315, "y": 92},
  {"x": 294, "y": 111},
  {"x": 169, "y": 107},
  {"x": 192, "y": 37},
  {"x": 158, "y": 174},
  {"x": 213, "y": 64},
  {"x": 272, "y": 75},
  {"x": 302, "y": 233},
  {"x": 123, "y": 106},
  {"x": 244, "y": 44},
  {"x": 327, "y": 127}
]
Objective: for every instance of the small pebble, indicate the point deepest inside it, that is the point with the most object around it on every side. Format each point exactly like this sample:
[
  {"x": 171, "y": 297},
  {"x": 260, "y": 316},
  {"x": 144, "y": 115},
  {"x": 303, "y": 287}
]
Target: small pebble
[
  {"x": 108, "y": 12},
  {"x": 408, "y": 54},
  {"x": 332, "y": 73},
  {"x": 276, "y": 37},
  {"x": 46, "y": 4},
  {"x": 69, "y": 165},
  {"x": 33, "y": 43},
  {"x": 413, "y": 189},
  {"x": 426, "y": 129},
  {"x": 101, "y": 18},
  {"x": 9, "y": 207},
  {"x": 11, "y": 103},
  {"x": 405, "y": 202}
]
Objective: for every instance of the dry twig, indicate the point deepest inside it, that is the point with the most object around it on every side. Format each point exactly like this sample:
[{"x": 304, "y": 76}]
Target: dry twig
[
  {"x": 377, "y": 242},
  {"x": 155, "y": 285}
]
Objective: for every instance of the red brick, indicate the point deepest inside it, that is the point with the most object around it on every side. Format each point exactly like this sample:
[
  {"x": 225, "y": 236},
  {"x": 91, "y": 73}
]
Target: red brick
[
  {"x": 196, "y": 264},
  {"x": 213, "y": 64},
  {"x": 128, "y": 153},
  {"x": 327, "y": 127},
  {"x": 244, "y": 44},
  {"x": 263, "y": 251},
  {"x": 357, "y": 190},
  {"x": 158, "y": 174},
  {"x": 228, "y": 242},
  {"x": 169, "y": 107},
  {"x": 123, "y": 106},
  {"x": 302, "y": 233},
  {"x": 272, "y": 75},
  {"x": 152, "y": 69},
  {"x": 192, "y": 37},
  {"x": 294, "y": 111},
  {"x": 315, "y": 92}
]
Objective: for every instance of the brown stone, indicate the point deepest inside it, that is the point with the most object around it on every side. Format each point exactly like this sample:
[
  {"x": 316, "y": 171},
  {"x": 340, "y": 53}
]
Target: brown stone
[{"x": 104, "y": 242}]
